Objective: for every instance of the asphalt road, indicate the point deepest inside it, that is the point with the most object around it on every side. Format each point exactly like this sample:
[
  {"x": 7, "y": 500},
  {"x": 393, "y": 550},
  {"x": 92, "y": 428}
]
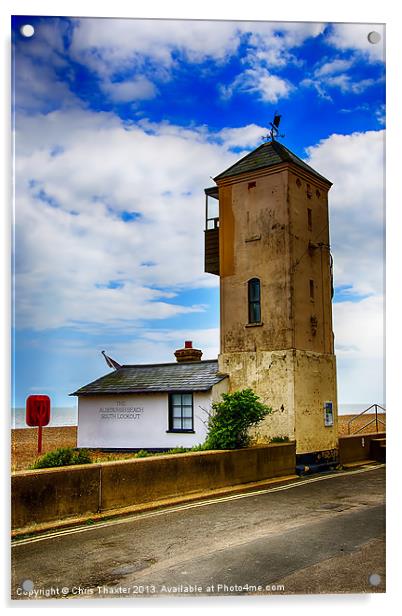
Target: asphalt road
[{"x": 318, "y": 535}]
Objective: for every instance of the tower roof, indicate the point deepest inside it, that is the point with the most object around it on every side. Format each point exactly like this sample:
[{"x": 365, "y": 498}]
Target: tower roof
[{"x": 267, "y": 155}]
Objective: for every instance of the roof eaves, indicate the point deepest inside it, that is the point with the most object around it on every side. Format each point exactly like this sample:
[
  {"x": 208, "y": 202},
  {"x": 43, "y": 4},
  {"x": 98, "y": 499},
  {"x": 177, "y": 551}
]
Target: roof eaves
[
  {"x": 96, "y": 387},
  {"x": 290, "y": 157},
  {"x": 226, "y": 171}
]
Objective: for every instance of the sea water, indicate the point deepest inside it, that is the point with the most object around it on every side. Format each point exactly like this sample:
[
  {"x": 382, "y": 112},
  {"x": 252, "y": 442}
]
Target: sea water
[
  {"x": 59, "y": 416},
  {"x": 68, "y": 415}
]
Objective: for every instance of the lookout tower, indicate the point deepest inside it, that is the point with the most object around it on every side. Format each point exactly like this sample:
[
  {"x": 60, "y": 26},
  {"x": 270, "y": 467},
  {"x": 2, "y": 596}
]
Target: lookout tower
[{"x": 267, "y": 238}]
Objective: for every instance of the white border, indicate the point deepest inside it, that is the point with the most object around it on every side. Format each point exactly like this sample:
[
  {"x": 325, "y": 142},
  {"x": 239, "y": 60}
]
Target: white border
[{"x": 385, "y": 11}]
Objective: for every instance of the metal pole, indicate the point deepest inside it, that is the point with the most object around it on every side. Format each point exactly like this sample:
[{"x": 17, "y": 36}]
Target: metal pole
[
  {"x": 40, "y": 439},
  {"x": 376, "y": 418}
]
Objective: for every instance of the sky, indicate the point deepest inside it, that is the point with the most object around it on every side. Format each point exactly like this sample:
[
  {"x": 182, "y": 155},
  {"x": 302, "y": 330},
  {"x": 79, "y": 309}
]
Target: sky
[{"x": 120, "y": 125}]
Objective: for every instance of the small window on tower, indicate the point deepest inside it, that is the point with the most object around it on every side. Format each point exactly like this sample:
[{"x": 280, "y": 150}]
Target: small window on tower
[
  {"x": 254, "y": 301},
  {"x": 309, "y": 218},
  {"x": 312, "y": 289}
]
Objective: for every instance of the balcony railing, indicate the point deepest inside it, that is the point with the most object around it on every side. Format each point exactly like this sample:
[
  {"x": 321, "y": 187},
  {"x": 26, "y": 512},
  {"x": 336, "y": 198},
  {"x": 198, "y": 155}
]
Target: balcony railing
[{"x": 211, "y": 241}]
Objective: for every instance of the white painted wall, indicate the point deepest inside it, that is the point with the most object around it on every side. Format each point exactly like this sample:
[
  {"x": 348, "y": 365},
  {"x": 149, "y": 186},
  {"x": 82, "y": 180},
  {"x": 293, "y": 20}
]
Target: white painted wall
[{"x": 136, "y": 421}]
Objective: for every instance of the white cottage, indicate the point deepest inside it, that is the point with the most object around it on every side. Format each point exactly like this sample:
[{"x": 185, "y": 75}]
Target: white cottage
[{"x": 154, "y": 406}]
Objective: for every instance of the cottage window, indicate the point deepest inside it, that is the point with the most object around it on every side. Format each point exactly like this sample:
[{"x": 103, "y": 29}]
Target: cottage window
[
  {"x": 254, "y": 301},
  {"x": 181, "y": 412}
]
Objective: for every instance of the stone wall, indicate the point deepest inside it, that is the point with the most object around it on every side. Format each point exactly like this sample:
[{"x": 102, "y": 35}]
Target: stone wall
[{"x": 48, "y": 495}]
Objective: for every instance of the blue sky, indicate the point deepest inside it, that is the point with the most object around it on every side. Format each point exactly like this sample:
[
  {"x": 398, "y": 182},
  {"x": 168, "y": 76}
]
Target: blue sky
[{"x": 119, "y": 126}]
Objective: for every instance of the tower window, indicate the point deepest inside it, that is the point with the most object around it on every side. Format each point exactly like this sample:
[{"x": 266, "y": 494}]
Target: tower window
[
  {"x": 312, "y": 289},
  {"x": 309, "y": 218},
  {"x": 254, "y": 301}
]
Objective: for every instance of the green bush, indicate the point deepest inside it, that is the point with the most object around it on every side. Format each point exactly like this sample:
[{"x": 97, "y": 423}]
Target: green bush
[
  {"x": 279, "y": 439},
  {"x": 177, "y": 450},
  {"x": 64, "y": 456},
  {"x": 143, "y": 453},
  {"x": 231, "y": 419},
  {"x": 200, "y": 447}
]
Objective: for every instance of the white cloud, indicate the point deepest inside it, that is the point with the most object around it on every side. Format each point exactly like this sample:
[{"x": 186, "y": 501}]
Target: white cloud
[
  {"x": 354, "y": 37},
  {"x": 359, "y": 346},
  {"x": 37, "y": 83},
  {"x": 277, "y": 39},
  {"x": 334, "y": 66},
  {"x": 358, "y": 328},
  {"x": 245, "y": 136},
  {"x": 334, "y": 75},
  {"x": 346, "y": 83},
  {"x": 271, "y": 44},
  {"x": 78, "y": 261},
  {"x": 158, "y": 345},
  {"x": 111, "y": 45},
  {"x": 355, "y": 165},
  {"x": 269, "y": 88},
  {"x": 270, "y": 47},
  {"x": 139, "y": 88}
]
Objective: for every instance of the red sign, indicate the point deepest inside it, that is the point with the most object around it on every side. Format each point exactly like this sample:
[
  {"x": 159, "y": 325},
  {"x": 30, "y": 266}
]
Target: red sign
[
  {"x": 38, "y": 414},
  {"x": 38, "y": 410}
]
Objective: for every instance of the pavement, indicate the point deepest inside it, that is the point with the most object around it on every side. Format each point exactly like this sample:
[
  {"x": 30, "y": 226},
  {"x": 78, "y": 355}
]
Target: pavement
[{"x": 321, "y": 534}]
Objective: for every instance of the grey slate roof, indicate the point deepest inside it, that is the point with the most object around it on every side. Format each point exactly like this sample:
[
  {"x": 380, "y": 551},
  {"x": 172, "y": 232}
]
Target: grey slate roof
[
  {"x": 267, "y": 155},
  {"x": 142, "y": 378}
]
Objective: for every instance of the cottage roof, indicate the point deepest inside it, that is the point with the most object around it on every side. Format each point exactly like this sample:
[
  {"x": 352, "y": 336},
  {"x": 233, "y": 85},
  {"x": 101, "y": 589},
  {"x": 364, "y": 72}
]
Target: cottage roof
[
  {"x": 148, "y": 378},
  {"x": 268, "y": 154}
]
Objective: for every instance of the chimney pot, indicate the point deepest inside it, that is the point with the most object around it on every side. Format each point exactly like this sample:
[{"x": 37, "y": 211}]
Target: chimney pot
[{"x": 187, "y": 353}]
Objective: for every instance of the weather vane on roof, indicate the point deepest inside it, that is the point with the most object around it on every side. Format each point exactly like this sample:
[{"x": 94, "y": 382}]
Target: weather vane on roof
[{"x": 274, "y": 132}]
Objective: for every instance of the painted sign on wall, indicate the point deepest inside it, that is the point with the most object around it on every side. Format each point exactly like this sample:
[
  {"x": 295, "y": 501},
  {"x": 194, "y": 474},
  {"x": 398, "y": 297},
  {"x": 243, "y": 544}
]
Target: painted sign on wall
[{"x": 120, "y": 411}]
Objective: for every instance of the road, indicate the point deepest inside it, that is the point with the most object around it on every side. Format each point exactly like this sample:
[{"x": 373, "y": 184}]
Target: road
[{"x": 315, "y": 535}]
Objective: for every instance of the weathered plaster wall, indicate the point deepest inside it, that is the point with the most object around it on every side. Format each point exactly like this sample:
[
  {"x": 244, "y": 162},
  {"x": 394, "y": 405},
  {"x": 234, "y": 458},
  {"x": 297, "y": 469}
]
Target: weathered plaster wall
[
  {"x": 315, "y": 383},
  {"x": 295, "y": 384},
  {"x": 304, "y": 193},
  {"x": 220, "y": 388},
  {"x": 254, "y": 243},
  {"x": 270, "y": 375}
]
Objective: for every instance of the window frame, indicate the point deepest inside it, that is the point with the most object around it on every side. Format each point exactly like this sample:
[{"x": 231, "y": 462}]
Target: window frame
[
  {"x": 182, "y": 406},
  {"x": 251, "y": 303}
]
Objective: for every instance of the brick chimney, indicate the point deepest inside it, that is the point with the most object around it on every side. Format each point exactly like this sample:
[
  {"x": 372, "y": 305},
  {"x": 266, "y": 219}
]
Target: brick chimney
[{"x": 188, "y": 353}]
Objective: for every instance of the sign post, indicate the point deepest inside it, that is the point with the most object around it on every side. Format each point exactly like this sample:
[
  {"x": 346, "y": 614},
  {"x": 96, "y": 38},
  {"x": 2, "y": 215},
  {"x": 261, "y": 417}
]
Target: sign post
[{"x": 38, "y": 414}]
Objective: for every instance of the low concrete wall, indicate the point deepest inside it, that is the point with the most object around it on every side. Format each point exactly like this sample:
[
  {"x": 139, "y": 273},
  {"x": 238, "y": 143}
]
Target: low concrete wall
[
  {"x": 53, "y": 494},
  {"x": 357, "y": 447},
  {"x": 142, "y": 480}
]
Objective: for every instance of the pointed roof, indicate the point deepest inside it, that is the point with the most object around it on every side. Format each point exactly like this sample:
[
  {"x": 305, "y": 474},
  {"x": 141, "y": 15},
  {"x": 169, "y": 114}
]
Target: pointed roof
[{"x": 268, "y": 154}]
